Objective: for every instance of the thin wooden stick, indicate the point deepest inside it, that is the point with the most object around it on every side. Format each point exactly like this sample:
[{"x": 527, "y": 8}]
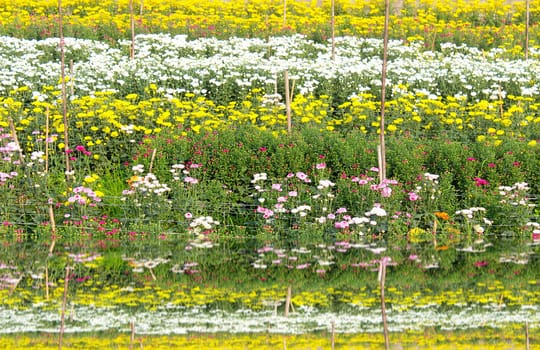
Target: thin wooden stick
[
  {"x": 383, "y": 91},
  {"x": 63, "y": 316},
  {"x": 382, "y": 278},
  {"x": 132, "y": 24},
  {"x": 64, "y": 97},
  {"x": 333, "y": 24},
  {"x": 152, "y": 160},
  {"x": 288, "y": 102},
  {"x": 527, "y": 20}
]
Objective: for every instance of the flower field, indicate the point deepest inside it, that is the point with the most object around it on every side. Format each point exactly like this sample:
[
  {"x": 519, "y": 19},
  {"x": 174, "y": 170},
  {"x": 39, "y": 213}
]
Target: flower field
[{"x": 160, "y": 183}]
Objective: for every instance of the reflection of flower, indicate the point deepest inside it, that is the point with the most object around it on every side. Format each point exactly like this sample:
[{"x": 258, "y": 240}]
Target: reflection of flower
[{"x": 417, "y": 235}]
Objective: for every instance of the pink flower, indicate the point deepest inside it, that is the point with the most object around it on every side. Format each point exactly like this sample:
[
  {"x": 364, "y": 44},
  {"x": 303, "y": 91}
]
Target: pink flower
[
  {"x": 491, "y": 165},
  {"x": 320, "y": 166},
  {"x": 480, "y": 182},
  {"x": 471, "y": 159},
  {"x": 413, "y": 196}
]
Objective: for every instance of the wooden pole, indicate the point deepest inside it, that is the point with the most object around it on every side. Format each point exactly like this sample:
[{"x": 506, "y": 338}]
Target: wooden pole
[
  {"x": 64, "y": 97},
  {"x": 527, "y": 20},
  {"x": 383, "y": 91}
]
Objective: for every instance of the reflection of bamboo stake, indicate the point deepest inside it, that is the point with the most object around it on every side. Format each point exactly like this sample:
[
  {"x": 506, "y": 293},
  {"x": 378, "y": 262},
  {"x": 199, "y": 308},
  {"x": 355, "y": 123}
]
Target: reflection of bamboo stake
[
  {"x": 152, "y": 274},
  {"x": 527, "y": 342},
  {"x": 64, "y": 302},
  {"x": 333, "y": 340},
  {"x": 288, "y": 301},
  {"x": 435, "y": 233},
  {"x": 284, "y": 343},
  {"x": 132, "y": 337},
  {"x": 71, "y": 80},
  {"x": 47, "y": 281},
  {"x": 53, "y": 229},
  {"x": 15, "y": 285},
  {"x": 382, "y": 277},
  {"x": 288, "y": 102}
]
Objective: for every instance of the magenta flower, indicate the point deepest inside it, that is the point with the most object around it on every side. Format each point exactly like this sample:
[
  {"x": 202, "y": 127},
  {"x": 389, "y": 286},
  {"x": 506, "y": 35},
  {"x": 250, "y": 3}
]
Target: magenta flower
[{"x": 480, "y": 182}]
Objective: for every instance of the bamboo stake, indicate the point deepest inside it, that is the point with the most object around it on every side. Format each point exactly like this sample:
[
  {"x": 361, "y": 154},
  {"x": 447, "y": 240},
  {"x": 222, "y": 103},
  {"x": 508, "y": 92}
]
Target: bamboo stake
[
  {"x": 382, "y": 278},
  {"x": 152, "y": 160},
  {"x": 64, "y": 97},
  {"x": 288, "y": 102},
  {"x": 383, "y": 91},
  {"x": 64, "y": 302},
  {"x": 53, "y": 229},
  {"x": 333, "y": 23},
  {"x": 132, "y": 24},
  {"x": 527, "y": 20}
]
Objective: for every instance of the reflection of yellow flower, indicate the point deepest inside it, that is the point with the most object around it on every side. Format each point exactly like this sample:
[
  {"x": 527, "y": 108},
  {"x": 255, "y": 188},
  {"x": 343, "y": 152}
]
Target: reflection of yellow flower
[
  {"x": 418, "y": 235},
  {"x": 442, "y": 215}
]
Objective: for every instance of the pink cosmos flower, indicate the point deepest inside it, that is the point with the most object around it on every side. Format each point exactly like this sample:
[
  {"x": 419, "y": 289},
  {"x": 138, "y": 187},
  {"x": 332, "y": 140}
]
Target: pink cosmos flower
[{"x": 413, "y": 196}]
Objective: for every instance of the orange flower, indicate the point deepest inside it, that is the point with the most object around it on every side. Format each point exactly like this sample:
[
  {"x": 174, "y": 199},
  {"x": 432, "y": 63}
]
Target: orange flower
[{"x": 442, "y": 215}]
